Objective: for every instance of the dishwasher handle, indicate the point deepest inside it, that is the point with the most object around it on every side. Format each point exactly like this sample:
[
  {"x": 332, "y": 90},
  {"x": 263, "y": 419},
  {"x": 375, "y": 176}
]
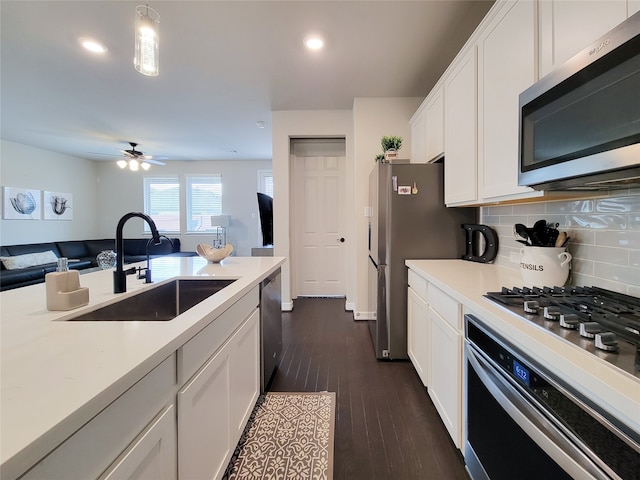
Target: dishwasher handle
[{"x": 545, "y": 433}]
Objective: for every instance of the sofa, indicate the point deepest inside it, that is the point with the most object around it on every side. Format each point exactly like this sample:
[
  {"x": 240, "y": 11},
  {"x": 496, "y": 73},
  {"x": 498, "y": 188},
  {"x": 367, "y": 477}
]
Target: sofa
[{"x": 23, "y": 265}]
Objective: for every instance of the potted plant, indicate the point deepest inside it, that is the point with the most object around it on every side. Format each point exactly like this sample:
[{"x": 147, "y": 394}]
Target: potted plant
[{"x": 390, "y": 146}]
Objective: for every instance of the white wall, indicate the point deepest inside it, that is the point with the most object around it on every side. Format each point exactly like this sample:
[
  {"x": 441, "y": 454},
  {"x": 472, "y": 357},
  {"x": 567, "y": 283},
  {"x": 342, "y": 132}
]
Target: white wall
[
  {"x": 121, "y": 191},
  {"x": 29, "y": 167},
  {"x": 372, "y": 119},
  {"x": 362, "y": 128},
  {"x": 307, "y": 124}
]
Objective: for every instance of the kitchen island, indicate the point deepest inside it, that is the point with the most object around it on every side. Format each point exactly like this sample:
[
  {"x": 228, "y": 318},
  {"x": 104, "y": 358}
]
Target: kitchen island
[
  {"x": 60, "y": 376},
  {"x": 457, "y": 287}
]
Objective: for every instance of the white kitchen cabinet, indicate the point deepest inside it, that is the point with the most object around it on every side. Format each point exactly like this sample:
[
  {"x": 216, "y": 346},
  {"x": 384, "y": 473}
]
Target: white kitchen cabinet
[
  {"x": 418, "y": 326},
  {"x": 418, "y": 124},
  {"x": 434, "y": 111},
  {"x": 121, "y": 427},
  {"x": 445, "y": 361},
  {"x": 460, "y": 127},
  {"x": 566, "y": 27},
  {"x": 445, "y": 379},
  {"x": 214, "y": 405},
  {"x": 152, "y": 456},
  {"x": 506, "y": 67}
]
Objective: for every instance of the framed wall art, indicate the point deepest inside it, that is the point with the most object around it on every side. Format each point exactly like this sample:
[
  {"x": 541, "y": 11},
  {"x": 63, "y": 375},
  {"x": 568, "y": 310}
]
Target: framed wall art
[
  {"x": 58, "y": 206},
  {"x": 21, "y": 204}
]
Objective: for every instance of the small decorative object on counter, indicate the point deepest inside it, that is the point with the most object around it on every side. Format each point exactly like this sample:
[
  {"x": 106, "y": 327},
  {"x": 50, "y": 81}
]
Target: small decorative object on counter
[
  {"x": 544, "y": 266},
  {"x": 474, "y": 233},
  {"x": 106, "y": 259},
  {"x": 214, "y": 255},
  {"x": 64, "y": 291}
]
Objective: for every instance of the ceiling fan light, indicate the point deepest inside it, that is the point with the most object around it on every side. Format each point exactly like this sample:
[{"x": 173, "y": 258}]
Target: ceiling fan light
[
  {"x": 122, "y": 163},
  {"x": 145, "y": 166},
  {"x": 146, "y": 40},
  {"x": 134, "y": 165}
]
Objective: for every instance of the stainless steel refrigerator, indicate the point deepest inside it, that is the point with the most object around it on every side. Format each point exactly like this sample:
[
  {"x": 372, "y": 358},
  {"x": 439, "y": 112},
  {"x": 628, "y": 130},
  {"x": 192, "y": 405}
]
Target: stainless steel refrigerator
[{"x": 407, "y": 220}]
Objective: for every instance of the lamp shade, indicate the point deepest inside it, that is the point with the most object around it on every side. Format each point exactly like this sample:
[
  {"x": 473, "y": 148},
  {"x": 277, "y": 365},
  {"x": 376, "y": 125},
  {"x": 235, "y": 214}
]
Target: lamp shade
[
  {"x": 220, "y": 220},
  {"x": 146, "y": 40}
]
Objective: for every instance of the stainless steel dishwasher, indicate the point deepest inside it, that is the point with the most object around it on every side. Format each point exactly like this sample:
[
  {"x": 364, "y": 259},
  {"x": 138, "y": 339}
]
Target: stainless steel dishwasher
[{"x": 270, "y": 327}]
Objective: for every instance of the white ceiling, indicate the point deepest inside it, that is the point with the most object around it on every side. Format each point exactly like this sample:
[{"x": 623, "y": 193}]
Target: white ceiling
[{"x": 224, "y": 65}]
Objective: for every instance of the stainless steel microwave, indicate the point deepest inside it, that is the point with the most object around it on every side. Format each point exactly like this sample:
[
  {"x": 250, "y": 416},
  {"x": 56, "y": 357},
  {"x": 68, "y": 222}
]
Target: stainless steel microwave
[{"x": 580, "y": 124}]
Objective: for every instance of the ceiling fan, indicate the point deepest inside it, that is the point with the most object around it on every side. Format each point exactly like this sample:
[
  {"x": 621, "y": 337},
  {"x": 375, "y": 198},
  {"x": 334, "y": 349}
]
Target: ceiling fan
[
  {"x": 138, "y": 155},
  {"x": 135, "y": 159}
]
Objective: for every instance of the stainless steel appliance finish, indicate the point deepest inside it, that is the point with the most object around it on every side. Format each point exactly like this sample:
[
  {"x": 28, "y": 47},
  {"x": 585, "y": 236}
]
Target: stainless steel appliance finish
[
  {"x": 580, "y": 125},
  {"x": 602, "y": 322},
  {"x": 524, "y": 422},
  {"x": 408, "y": 219},
  {"x": 270, "y": 327}
]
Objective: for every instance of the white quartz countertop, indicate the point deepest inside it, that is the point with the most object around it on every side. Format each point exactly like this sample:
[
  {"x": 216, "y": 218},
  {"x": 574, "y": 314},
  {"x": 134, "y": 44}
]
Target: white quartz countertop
[
  {"x": 57, "y": 375},
  {"x": 467, "y": 282}
]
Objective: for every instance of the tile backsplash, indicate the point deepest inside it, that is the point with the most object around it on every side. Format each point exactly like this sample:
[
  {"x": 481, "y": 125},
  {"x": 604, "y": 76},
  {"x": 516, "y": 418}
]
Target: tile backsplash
[{"x": 604, "y": 231}]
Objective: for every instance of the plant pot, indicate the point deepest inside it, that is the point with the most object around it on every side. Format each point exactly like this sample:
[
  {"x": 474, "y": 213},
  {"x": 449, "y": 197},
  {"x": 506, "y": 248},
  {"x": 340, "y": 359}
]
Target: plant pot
[{"x": 391, "y": 154}]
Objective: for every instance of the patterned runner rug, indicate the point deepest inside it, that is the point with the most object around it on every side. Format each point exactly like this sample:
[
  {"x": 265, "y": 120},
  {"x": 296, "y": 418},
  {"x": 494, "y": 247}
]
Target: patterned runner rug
[{"x": 289, "y": 436}]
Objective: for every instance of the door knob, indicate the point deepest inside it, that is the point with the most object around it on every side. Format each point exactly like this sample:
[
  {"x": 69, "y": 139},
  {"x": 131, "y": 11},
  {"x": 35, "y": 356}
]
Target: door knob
[{"x": 341, "y": 239}]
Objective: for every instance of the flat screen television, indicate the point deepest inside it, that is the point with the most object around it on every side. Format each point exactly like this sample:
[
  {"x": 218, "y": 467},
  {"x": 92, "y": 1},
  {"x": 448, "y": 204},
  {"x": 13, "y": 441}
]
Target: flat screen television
[{"x": 265, "y": 206}]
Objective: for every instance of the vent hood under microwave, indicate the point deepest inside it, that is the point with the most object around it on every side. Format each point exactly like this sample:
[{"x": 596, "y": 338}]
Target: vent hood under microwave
[{"x": 580, "y": 125}]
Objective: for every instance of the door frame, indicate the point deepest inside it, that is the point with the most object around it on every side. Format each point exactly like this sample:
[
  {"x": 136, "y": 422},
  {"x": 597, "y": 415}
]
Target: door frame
[{"x": 294, "y": 254}]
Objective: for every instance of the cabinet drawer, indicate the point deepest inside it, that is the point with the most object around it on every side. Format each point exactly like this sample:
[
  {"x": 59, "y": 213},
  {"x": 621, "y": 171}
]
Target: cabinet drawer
[
  {"x": 418, "y": 284},
  {"x": 89, "y": 451},
  {"x": 447, "y": 307},
  {"x": 193, "y": 354}
]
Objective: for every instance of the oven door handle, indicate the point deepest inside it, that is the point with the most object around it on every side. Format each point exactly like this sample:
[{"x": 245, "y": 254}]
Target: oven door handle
[{"x": 536, "y": 425}]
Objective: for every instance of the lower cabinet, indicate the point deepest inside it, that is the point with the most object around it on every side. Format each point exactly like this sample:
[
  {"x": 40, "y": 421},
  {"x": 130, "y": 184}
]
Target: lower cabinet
[
  {"x": 445, "y": 379},
  {"x": 152, "y": 456},
  {"x": 141, "y": 423},
  {"x": 418, "y": 334},
  {"x": 214, "y": 405},
  {"x": 434, "y": 343}
]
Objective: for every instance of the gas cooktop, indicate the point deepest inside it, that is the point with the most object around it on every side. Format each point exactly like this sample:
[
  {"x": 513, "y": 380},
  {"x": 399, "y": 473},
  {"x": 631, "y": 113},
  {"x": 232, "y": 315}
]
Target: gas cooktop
[{"x": 602, "y": 322}]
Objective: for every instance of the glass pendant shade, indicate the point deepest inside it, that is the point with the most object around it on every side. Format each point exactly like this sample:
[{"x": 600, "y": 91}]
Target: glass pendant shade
[
  {"x": 122, "y": 163},
  {"x": 145, "y": 166},
  {"x": 146, "y": 44}
]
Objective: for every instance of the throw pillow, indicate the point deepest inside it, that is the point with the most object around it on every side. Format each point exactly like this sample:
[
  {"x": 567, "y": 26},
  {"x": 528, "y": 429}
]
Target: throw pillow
[{"x": 29, "y": 260}]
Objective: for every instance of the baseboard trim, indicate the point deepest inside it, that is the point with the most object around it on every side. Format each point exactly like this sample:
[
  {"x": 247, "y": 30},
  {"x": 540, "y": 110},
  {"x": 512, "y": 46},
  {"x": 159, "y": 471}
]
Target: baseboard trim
[{"x": 287, "y": 306}]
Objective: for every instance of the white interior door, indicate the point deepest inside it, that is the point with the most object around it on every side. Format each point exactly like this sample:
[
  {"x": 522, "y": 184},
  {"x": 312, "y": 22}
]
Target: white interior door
[{"x": 319, "y": 170}]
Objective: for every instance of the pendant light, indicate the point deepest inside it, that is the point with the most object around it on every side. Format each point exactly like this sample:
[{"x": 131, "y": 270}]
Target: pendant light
[{"x": 146, "y": 44}]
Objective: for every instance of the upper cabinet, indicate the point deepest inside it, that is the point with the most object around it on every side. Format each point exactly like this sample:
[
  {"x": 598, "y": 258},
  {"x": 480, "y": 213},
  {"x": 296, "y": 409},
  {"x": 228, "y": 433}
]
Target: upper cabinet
[
  {"x": 427, "y": 128},
  {"x": 474, "y": 108},
  {"x": 460, "y": 104},
  {"x": 506, "y": 67},
  {"x": 565, "y": 27},
  {"x": 418, "y": 135},
  {"x": 434, "y": 110}
]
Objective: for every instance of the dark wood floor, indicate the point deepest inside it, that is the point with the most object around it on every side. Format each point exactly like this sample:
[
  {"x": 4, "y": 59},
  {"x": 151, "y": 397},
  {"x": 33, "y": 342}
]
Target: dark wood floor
[{"x": 386, "y": 425}]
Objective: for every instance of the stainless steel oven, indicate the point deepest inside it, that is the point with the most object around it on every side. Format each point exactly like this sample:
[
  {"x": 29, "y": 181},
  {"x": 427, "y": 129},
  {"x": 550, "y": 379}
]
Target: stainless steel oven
[{"x": 523, "y": 422}]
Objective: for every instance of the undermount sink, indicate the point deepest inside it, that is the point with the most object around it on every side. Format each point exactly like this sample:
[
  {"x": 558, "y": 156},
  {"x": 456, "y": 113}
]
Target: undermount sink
[{"x": 160, "y": 303}]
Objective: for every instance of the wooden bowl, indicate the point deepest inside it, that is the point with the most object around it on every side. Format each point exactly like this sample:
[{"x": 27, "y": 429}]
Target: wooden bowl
[{"x": 214, "y": 255}]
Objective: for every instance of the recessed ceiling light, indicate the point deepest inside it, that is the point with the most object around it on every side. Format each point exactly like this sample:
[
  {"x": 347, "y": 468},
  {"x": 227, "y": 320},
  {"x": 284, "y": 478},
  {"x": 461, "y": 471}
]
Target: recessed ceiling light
[
  {"x": 313, "y": 42},
  {"x": 92, "y": 45}
]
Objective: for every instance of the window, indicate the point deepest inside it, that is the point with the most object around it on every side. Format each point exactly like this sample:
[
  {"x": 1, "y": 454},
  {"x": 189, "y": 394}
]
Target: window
[
  {"x": 162, "y": 203},
  {"x": 265, "y": 182},
  {"x": 204, "y": 199}
]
